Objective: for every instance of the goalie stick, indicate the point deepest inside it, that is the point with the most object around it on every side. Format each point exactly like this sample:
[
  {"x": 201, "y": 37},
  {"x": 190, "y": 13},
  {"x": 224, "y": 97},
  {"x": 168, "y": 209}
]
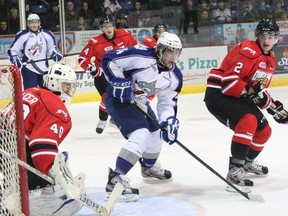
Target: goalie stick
[
  {"x": 84, "y": 200},
  {"x": 254, "y": 197}
]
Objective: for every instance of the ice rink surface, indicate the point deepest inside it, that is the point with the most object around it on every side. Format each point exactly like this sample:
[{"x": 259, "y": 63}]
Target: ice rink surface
[{"x": 194, "y": 190}]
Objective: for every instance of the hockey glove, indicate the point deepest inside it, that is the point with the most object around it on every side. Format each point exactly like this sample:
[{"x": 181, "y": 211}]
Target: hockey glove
[
  {"x": 56, "y": 56},
  {"x": 170, "y": 133},
  {"x": 279, "y": 114},
  {"x": 16, "y": 61},
  {"x": 263, "y": 99},
  {"x": 121, "y": 89},
  {"x": 93, "y": 70}
]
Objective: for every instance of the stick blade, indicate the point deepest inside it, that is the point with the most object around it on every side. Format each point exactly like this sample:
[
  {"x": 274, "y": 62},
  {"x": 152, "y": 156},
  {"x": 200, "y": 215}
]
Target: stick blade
[
  {"x": 256, "y": 197},
  {"x": 113, "y": 198}
]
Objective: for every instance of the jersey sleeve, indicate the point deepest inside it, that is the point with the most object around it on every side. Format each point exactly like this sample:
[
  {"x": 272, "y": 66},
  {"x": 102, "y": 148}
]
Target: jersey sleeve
[{"x": 149, "y": 41}]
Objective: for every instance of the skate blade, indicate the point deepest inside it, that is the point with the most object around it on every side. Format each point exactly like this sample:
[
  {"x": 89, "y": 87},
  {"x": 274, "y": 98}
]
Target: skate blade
[
  {"x": 153, "y": 180},
  {"x": 244, "y": 189},
  {"x": 125, "y": 197},
  {"x": 253, "y": 175}
]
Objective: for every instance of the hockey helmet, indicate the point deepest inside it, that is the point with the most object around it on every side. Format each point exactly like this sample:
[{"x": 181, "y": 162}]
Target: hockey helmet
[
  {"x": 171, "y": 42},
  {"x": 268, "y": 27},
  {"x": 61, "y": 79},
  {"x": 33, "y": 18},
  {"x": 160, "y": 26},
  {"x": 105, "y": 20}
]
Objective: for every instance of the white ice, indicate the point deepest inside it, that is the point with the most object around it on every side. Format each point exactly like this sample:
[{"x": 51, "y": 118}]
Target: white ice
[{"x": 194, "y": 190}]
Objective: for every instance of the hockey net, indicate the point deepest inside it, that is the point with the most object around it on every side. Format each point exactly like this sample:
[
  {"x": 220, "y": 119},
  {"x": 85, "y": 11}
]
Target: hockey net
[{"x": 13, "y": 178}]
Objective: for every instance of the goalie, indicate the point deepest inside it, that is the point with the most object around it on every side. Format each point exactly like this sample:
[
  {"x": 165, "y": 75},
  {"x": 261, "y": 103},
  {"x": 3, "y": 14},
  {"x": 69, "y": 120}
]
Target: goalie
[{"x": 47, "y": 122}]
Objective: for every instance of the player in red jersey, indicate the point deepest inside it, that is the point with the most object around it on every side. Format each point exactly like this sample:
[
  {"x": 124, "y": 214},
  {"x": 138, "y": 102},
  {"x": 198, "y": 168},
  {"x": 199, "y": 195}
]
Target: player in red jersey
[
  {"x": 151, "y": 41},
  {"x": 237, "y": 92},
  {"x": 47, "y": 123},
  {"x": 91, "y": 56}
]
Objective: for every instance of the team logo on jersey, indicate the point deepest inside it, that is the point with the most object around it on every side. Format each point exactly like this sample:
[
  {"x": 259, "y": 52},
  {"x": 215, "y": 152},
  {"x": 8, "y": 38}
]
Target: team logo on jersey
[
  {"x": 144, "y": 88},
  {"x": 262, "y": 64},
  {"x": 253, "y": 52},
  {"x": 35, "y": 49},
  {"x": 262, "y": 77},
  {"x": 109, "y": 48},
  {"x": 59, "y": 111}
]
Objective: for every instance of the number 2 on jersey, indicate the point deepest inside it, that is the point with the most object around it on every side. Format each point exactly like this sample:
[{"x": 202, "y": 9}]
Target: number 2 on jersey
[{"x": 238, "y": 67}]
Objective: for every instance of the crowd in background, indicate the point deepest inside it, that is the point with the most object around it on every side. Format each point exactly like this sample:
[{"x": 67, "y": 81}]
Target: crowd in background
[{"x": 84, "y": 14}]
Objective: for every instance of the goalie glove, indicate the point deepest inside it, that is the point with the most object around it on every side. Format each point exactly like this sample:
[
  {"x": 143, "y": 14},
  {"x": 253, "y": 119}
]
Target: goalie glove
[
  {"x": 93, "y": 70},
  {"x": 278, "y": 112},
  {"x": 171, "y": 126}
]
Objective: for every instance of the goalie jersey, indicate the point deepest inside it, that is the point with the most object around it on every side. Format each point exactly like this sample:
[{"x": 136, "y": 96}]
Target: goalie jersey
[{"x": 47, "y": 123}]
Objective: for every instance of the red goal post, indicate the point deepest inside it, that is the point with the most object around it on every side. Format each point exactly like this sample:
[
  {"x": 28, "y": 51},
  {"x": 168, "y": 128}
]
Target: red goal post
[{"x": 14, "y": 194}]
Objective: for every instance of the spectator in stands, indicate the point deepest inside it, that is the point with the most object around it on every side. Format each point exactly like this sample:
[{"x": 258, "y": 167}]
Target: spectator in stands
[
  {"x": 126, "y": 5},
  {"x": 87, "y": 13},
  {"x": 222, "y": 14},
  {"x": 13, "y": 21},
  {"x": 52, "y": 18},
  {"x": 81, "y": 24},
  {"x": 190, "y": 10},
  {"x": 113, "y": 5},
  {"x": 136, "y": 17},
  {"x": 205, "y": 11},
  {"x": 107, "y": 13},
  {"x": 263, "y": 9},
  {"x": 235, "y": 10},
  {"x": 122, "y": 19},
  {"x": 3, "y": 27},
  {"x": 250, "y": 13},
  {"x": 278, "y": 10},
  {"x": 283, "y": 16},
  {"x": 70, "y": 15}
]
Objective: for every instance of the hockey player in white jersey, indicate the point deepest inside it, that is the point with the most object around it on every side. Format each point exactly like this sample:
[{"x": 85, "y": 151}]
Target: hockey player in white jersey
[
  {"x": 33, "y": 44},
  {"x": 133, "y": 74}
]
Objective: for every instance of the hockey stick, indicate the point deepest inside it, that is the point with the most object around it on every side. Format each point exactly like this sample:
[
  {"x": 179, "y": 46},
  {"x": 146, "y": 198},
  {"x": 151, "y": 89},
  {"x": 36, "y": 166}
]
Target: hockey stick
[
  {"x": 84, "y": 200},
  {"x": 255, "y": 197},
  {"x": 46, "y": 59}
]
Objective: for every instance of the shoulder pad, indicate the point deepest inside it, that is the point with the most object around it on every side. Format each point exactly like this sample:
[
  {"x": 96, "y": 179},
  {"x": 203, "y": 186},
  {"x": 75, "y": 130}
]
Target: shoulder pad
[
  {"x": 54, "y": 105},
  {"x": 250, "y": 49},
  {"x": 122, "y": 32}
]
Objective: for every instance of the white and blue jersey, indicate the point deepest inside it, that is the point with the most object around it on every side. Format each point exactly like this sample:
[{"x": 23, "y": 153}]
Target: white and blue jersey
[
  {"x": 140, "y": 64},
  {"x": 33, "y": 46}
]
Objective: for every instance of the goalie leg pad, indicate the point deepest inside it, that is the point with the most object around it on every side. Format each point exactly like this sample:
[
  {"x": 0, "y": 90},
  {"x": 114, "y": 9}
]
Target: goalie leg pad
[{"x": 63, "y": 176}]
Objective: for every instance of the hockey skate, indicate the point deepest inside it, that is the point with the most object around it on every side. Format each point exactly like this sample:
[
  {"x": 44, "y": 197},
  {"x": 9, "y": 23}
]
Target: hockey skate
[
  {"x": 237, "y": 176},
  {"x": 100, "y": 127},
  {"x": 155, "y": 172},
  {"x": 129, "y": 194},
  {"x": 253, "y": 167}
]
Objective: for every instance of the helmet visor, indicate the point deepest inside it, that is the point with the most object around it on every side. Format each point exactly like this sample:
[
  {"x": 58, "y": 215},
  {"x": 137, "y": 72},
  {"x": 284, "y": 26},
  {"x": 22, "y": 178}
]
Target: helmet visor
[
  {"x": 68, "y": 88},
  {"x": 269, "y": 38}
]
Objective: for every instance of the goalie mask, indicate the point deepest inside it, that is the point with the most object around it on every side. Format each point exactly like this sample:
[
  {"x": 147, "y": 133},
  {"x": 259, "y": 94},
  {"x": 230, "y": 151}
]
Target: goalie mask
[
  {"x": 61, "y": 80},
  {"x": 168, "y": 49},
  {"x": 33, "y": 22}
]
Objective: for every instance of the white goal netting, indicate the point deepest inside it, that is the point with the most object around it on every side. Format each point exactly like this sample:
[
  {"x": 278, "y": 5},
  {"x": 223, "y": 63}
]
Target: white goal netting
[{"x": 11, "y": 197}]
